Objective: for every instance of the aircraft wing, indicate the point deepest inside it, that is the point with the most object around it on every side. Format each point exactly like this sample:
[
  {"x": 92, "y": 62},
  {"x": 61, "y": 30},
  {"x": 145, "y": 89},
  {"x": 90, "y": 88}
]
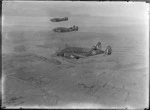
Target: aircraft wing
[{"x": 78, "y": 55}]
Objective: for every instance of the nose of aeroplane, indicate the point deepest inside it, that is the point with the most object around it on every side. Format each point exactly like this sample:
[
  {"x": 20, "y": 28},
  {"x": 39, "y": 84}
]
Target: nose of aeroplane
[{"x": 55, "y": 54}]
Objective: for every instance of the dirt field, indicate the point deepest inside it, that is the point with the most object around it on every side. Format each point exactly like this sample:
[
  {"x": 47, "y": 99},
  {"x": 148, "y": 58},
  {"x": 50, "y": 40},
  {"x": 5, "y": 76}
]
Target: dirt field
[{"x": 33, "y": 78}]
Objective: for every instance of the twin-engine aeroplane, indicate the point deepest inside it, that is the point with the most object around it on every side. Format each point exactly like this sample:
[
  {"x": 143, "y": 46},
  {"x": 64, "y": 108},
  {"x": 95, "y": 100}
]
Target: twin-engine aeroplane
[
  {"x": 64, "y": 29},
  {"x": 80, "y": 52},
  {"x": 59, "y": 19}
]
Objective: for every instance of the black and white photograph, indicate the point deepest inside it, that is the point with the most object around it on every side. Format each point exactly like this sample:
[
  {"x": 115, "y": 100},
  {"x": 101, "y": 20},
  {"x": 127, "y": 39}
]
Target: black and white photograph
[{"x": 75, "y": 54}]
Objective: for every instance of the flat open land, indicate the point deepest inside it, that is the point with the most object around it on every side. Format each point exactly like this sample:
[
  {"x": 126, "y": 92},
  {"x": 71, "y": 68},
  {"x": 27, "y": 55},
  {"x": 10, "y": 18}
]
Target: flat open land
[{"x": 31, "y": 77}]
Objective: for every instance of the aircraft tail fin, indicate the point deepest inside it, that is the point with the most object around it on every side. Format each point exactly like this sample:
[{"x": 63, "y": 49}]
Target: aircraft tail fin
[
  {"x": 98, "y": 46},
  {"x": 108, "y": 50}
]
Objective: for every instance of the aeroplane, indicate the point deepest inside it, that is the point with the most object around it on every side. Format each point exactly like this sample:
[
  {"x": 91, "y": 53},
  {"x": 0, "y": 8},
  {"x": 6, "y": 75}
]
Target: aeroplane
[
  {"x": 64, "y": 29},
  {"x": 80, "y": 52},
  {"x": 59, "y": 19}
]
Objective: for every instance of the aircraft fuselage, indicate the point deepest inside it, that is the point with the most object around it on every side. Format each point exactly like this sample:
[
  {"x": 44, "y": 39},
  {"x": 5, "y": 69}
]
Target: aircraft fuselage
[{"x": 75, "y": 52}]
